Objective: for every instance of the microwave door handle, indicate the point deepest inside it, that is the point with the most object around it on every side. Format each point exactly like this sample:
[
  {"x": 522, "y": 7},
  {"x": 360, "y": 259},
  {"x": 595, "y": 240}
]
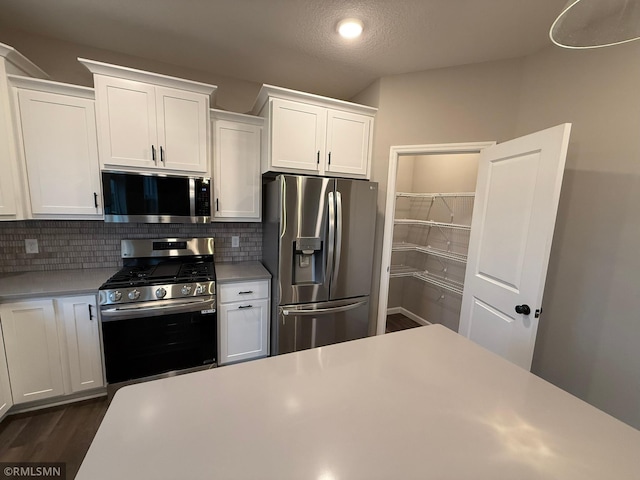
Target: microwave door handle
[
  {"x": 192, "y": 197},
  {"x": 336, "y": 267},
  {"x": 331, "y": 219}
]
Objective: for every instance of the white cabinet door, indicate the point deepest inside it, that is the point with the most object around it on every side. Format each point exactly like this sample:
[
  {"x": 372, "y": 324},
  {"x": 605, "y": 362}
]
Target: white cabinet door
[
  {"x": 8, "y": 175},
  {"x": 182, "y": 129},
  {"x": 6, "y": 401},
  {"x": 243, "y": 330},
  {"x": 126, "y": 122},
  {"x": 237, "y": 178},
  {"x": 61, "y": 153},
  {"x": 33, "y": 350},
  {"x": 511, "y": 231},
  {"x": 82, "y": 332},
  {"x": 297, "y": 136},
  {"x": 348, "y": 137}
]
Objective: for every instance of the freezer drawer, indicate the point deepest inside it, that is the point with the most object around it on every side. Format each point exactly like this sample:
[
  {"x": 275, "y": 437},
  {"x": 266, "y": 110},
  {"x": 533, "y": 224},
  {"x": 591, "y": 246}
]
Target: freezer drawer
[{"x": 313, "y": 325}]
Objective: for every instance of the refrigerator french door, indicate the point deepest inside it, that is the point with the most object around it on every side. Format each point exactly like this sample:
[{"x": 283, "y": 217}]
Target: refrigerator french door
[{"x": 318, "y": 245}]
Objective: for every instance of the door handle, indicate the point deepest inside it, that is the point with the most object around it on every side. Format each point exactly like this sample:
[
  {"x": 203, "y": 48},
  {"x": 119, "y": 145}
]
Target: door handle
[
  {"x": 161, "y": 154},
  {"x": 331, "y": 219},
  {"x": 320, "y": 311},
  {"x": 153, "y": 154},
  {"x": 95, "y": 199},
  {"x": 245, "y": 306},
  {"x": 338, "y": 254},
  {"x": 90, "y": 313},
  {"x": 523, "y": 309}
]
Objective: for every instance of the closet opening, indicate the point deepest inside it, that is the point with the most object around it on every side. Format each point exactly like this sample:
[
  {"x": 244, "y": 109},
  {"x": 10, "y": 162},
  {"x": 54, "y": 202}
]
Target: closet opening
[{"x": 430, "y": 198}]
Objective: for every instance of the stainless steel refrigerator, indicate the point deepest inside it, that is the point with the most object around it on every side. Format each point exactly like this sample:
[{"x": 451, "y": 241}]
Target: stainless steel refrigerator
[{"x": 318, "y": 238}]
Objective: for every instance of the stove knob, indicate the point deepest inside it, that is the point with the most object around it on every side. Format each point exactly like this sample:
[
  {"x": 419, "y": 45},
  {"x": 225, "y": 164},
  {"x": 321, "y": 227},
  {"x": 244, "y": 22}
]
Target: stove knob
[
  {"x": 134, "y": 295},
  {"x": 161, "y": 293},
  {"x": 200, "y": 289},
  {"x": 186, "y": 290},
  {"x": 115, "y": 296}
]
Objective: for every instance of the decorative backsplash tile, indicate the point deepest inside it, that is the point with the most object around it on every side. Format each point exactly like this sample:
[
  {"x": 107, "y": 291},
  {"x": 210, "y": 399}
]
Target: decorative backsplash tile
[{"x": 70, "y": 244}]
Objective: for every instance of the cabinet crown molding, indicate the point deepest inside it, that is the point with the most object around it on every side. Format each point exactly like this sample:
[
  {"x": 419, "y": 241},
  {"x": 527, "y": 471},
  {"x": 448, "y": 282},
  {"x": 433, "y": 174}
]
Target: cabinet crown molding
[
  {"x": 109, "y": 70},
  {"x": 269, "y": 91},
  {"x": 21, "y": 62},
  {"x": 235, "y": 117},
  {"x": 51, "y": 87}
]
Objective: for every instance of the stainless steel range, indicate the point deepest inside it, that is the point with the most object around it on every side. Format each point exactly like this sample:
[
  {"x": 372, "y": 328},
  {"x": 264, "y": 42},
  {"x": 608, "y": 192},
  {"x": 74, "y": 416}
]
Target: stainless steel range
[{"x": 159, "y": 311}]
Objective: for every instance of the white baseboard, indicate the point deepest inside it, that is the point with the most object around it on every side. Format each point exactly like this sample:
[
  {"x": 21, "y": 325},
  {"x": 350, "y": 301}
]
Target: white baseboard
[{"x": 408, "y": 314}]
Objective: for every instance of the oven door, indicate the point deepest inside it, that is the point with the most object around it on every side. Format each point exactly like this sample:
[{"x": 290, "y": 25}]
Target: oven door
[{"x": 141, "y": 340}]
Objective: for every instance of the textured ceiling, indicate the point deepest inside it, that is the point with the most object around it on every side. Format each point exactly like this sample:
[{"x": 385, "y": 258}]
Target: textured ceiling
[{"x": 293, "y": 43}]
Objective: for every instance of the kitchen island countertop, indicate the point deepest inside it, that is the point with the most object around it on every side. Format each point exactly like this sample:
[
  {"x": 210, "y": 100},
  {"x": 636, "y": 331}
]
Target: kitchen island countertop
[
  {"x": 424, "y": 403},
  {"x": 50, "y": 283}
]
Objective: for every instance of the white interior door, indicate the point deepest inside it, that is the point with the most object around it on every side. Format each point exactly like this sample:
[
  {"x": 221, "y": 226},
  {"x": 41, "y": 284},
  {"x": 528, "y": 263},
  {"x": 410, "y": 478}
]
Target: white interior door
[{"x": 511, "y": 231}]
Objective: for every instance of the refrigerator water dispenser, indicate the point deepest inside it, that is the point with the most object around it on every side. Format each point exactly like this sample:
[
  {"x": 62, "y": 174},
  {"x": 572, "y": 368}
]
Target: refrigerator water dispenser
[{"x": 307, "y": 264}]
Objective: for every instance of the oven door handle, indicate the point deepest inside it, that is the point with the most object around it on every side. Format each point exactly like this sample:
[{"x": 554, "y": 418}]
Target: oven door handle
[{"x": 120, "y": 313}]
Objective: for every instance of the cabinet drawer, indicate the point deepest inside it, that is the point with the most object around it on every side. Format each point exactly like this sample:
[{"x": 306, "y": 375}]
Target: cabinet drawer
[{"x": 241, "y": 291}]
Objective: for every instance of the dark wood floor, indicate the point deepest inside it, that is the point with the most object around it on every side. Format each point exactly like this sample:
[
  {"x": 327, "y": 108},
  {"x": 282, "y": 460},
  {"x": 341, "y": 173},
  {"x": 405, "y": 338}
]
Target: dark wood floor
[
  {"x": 57, "y": 434},
  {"x": 397, "y": 322}
]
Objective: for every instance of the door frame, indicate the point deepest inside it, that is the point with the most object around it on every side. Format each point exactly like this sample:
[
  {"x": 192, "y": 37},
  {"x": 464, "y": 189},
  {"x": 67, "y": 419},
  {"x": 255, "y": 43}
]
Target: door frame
[{"x": 395, "y": 152}]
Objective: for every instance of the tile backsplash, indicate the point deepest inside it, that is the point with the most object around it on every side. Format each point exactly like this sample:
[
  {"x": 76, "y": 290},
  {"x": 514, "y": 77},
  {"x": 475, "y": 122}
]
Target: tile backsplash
[{"x": 65, "y": 245}]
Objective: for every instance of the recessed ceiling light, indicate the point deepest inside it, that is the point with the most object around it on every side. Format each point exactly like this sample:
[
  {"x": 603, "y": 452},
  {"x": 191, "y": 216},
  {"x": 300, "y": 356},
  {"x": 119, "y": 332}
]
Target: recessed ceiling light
[{"x": 350, "y": 28}]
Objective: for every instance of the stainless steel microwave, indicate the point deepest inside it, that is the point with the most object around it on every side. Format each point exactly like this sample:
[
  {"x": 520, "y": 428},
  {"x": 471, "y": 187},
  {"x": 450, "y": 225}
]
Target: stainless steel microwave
[{"x": 146, "y": 198}]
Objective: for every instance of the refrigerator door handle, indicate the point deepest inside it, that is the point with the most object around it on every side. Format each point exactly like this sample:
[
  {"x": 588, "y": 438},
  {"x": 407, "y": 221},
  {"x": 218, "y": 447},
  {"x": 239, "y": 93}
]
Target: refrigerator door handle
[
  {"x": 332, "y": 237},
  {"x": 321, "y": 311},
  {"x": 336, "y": 263}
]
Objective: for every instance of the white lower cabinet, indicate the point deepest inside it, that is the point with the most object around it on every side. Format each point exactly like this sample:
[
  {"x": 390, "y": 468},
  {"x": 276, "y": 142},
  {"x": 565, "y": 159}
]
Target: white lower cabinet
[
  {"x": 243, "y": 321},
  {"x": 52, "y": 349},
  {"x": 33, "y": 350},
  {"x": 6, "y": 400},
  {"x": 82, "y": 333}
]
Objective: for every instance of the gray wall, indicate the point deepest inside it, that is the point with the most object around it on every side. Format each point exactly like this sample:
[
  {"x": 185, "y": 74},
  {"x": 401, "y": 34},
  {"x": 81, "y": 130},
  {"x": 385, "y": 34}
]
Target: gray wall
[
  {"x": 590, "y": 330},
  {"x": 60, "y": 60},
  {"x": 462, "y": 104},
  {"x": 589, "y": 336}
]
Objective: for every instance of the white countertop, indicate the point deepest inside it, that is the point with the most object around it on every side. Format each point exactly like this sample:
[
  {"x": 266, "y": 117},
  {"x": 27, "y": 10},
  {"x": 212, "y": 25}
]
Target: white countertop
[
  {"x": 241, "y": 271},
  {"x": 424, "y": 403},
  {"x": 25, "y": 285}
]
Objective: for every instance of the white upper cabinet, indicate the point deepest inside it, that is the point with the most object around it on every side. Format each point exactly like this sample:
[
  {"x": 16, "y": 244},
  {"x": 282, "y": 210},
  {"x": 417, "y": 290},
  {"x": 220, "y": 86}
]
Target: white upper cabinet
[
  {"x": 297, "y": 135},
  {"x": 127, "y": 119},
  {"x": 150, "y": 122},
  {"x": 348, "y": 137},
  {"x": 311, "y": 134},
  {"x": 59, "y": 146},
  {"x": 11, "y": 62},
  {"x": 236, "y": 167}
]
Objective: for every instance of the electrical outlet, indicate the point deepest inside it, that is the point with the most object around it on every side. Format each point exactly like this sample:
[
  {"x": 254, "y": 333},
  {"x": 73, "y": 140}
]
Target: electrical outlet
[
  {"x": 235, "y": 241},
  {"x": 31, "y": 245}
]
